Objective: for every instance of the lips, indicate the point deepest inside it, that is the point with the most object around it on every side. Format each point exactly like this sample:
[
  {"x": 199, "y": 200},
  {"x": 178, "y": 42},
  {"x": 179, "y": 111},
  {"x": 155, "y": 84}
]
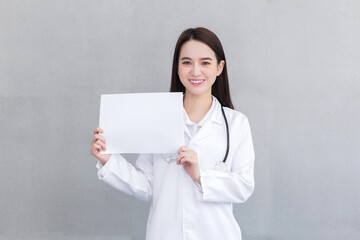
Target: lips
[{"x": 196, "y": 82}]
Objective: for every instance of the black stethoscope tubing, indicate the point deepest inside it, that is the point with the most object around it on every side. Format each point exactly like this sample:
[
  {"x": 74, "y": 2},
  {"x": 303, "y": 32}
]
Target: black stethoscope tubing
[{"x": 227, "y": 135}]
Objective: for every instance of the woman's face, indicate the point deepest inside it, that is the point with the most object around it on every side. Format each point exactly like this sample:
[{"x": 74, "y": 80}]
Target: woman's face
[{"x": 198, "y": 67}]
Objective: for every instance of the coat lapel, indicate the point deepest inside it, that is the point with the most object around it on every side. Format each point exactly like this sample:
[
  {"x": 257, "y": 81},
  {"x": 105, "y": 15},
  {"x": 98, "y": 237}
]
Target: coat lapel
[{"x": 211, "y": 127}]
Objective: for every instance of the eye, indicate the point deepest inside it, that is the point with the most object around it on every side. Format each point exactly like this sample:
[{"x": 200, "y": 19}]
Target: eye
[
  {"x": 205, "y": 63},
  {"x": 186, "y": 63}
]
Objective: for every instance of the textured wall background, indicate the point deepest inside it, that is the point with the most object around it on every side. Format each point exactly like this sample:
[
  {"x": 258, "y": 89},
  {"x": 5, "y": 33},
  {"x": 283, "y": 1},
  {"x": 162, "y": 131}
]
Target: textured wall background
[{"x": 294, "y": 71}]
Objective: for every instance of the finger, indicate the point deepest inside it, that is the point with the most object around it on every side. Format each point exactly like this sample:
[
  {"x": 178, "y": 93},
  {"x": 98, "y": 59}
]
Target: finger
[
  {"x": 98, "y": 136},
  {"x": 94, "y": 140},
  {"x": 185, "y": 154},
  {"x": 98, "y": 130},
  {"x": 180, "y": 150},
  {"x": 98, "y": 139},
  {"x": 185, "y": 160},
  {"x": 180, "y": 156},
  {"x": 178, "y": 161},
  {"x": 97, "y": 147},
  {"x": 191, "y": 153},
  {"x": 100, "y": 143},
  {"x": 191, "y": 158},
  {"x": 183, "y": 149}
]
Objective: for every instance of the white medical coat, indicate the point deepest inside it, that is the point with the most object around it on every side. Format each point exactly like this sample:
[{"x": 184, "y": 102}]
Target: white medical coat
[{"x": 181, "y": 208}]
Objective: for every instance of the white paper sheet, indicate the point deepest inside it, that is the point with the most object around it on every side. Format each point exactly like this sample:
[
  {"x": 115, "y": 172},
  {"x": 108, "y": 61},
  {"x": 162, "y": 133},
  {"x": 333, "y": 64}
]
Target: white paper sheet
[{"x": 142, "y": 122}]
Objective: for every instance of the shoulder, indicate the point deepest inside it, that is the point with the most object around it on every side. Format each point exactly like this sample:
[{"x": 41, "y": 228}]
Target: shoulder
[
  {"x": 239, "y": 126},
  {"x": 235, "y": 116}
]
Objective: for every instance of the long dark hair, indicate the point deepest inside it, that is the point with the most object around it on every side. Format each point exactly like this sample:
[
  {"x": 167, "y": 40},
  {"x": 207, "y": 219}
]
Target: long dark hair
[{"x": 220, "y": 88}]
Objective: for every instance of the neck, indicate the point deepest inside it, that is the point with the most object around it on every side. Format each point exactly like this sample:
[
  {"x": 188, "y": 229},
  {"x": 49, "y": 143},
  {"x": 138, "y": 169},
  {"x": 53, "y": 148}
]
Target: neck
[{"x": 197, "y": 106}]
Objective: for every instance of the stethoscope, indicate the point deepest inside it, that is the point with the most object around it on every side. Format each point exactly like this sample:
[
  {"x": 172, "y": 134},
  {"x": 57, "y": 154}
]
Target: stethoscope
[{"x": 220, "y": 166}]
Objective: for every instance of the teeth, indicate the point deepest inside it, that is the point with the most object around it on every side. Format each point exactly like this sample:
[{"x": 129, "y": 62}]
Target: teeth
[{"x": 197, "y": 81}]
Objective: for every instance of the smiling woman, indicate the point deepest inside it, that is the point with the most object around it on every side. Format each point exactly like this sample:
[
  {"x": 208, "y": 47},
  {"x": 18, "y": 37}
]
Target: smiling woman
[
  {"x": 203, "y": 46},
  {"x": 198, "y": 67},
  {"x": 192, "y": 197}
]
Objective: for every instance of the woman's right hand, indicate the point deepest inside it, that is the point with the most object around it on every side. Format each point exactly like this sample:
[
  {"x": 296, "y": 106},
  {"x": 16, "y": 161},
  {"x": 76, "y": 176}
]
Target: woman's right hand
[{"x": 97, "y": 144}]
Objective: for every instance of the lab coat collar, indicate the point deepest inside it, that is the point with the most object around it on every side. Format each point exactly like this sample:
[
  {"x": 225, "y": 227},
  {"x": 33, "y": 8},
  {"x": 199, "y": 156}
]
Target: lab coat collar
[
  {"x": 205, "y": 131},
  {"x": 217, "y": 116},
  {"x": 215, "y": 113}
]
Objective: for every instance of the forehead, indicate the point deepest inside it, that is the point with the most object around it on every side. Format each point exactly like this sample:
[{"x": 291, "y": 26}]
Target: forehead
[{"x": 196, "y": 49}]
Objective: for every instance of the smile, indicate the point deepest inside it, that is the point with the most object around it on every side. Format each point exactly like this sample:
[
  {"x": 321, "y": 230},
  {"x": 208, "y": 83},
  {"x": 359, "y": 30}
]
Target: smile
[{"x": 196, "y": 82}]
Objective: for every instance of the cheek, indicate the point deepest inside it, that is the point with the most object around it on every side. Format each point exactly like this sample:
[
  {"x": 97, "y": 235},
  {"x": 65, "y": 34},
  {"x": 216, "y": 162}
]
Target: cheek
[
  {"x": 211, "y": 74},
  {"x": 181, "y": 74},
  {"x": 182, "y": 71}
]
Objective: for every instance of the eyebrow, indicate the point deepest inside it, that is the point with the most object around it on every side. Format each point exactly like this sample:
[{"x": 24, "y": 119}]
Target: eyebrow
[{"x": 205, "y": 58}]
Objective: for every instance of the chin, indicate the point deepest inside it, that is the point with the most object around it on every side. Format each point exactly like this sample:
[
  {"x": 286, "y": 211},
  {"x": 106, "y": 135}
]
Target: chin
[{"x": 197, "y": 92}]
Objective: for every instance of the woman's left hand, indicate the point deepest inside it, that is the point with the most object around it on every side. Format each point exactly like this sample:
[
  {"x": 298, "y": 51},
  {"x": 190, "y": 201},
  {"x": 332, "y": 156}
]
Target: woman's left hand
[{"x": 188, "y": 158}]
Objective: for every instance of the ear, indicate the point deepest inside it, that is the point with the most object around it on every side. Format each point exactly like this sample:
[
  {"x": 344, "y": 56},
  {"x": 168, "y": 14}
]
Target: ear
[{"x": 220, "y": 67}]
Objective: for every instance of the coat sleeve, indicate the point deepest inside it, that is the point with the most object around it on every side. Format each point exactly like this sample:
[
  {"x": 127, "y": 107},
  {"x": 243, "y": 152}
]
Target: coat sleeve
[
  {"x": 235, "y": 186},
  {"x": 133, "y": 180}
]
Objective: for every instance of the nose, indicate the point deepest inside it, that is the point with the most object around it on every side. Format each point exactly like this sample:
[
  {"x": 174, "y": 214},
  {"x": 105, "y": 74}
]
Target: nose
[{"x": 196, "y": 70}]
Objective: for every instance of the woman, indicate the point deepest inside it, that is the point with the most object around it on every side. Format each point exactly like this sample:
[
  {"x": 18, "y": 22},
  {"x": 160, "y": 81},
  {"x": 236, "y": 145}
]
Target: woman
[{"x": 192, "y": 196}]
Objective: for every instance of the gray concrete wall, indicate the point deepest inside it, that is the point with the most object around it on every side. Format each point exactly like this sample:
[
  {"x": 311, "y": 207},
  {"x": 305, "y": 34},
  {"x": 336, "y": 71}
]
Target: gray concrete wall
[{"x": 294, "y": 71}]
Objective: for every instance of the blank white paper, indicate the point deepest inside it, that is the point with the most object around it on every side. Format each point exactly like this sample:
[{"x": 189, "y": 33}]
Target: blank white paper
[{"x": 142, "y": 122}]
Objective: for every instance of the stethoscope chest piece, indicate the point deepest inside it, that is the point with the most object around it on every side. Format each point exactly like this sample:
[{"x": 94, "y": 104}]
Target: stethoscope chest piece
[{"x": 221, "y": 166}]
